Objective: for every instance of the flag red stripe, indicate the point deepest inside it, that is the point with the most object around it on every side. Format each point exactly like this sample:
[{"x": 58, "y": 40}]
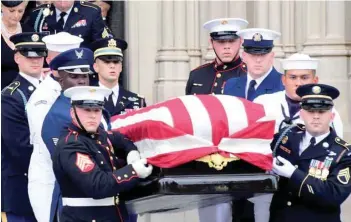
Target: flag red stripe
[
  {"x": 253, "y": 111},
  {"x": 181, "y": 117},
  {"x": 149, "y": 129},
  {"x": 261, "y": 130},
  {"x": 218, "y": 117}
]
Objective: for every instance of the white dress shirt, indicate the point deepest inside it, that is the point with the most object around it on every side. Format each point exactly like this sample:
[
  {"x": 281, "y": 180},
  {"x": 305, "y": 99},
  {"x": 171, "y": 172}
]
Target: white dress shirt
[
  {"x": 34, "y": 81},
  {"x": 58, "y": 12},
  {"x": 304, "y": 144},
  {"x": 258, "y": 81},
  {"x": 115, "y": 91}
]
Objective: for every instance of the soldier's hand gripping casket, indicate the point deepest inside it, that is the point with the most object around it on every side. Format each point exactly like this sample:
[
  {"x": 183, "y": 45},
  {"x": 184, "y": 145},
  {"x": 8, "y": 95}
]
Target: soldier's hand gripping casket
[{"x": 142, "y": 169}]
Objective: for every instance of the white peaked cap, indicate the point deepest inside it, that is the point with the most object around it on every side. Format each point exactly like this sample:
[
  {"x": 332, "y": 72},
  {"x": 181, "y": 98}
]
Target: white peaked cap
[
  {"x": 299, "y": 61},
  {"x": 90, "y": 93},
  {"x": 267, "y": 34},
  {"x": 62, "y": 41},
  {"x": 225, "y": 24}
]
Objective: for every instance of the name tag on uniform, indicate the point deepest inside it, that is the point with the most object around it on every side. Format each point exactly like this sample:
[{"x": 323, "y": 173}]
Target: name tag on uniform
[{"x": 80, "y": 23}]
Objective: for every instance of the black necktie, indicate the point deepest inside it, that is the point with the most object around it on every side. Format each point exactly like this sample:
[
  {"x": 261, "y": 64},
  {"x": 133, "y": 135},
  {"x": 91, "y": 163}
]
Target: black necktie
[
  {"x": 110, "y": 100},
  {"x": 312, "y": 141},
  {"x": 251, "y": 91},
  {"x": 61, "y": 21}
]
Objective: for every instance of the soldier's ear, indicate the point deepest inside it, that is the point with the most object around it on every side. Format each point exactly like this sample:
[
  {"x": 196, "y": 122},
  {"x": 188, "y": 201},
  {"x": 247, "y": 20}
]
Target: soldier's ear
[
  {"x": 96, "y": 67},
  {"x": 17, "y": 57}
]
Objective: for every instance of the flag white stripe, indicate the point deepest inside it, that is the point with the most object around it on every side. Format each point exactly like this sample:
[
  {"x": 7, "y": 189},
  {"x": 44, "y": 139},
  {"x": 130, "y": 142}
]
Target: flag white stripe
[
  {"x": 236, "y": 113},
  {"x": 235, "y": 145},
  {"x": 161, "y": 114},
  {"x": 150, "y": 147},
  {"x": 202, "y": 126}
]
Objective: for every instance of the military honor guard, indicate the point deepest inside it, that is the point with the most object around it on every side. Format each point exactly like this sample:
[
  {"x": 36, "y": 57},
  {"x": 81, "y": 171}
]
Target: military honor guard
[
  {"x": 16, "y": 149},
  {"x": 312, "y": 161},
  {"x": 90, "y": 175},
  {"x": 73, "y": 68},
  {"x": 211, "y": 77},
  {"x": 108, "y": 58},
  {"x": 79, "y": 18},
  {"x": 284, "y": 106},
  {"x": 262, "y": 77}
]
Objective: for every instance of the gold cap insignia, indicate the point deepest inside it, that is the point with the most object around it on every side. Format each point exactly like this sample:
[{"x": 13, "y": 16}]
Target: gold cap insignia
[
  {"x": 257, "y": 37},
  {"x": 46, "y": 12},
  {"x": 112, "y": 43},
  {"x": 35, "y": 37},
  {"x": 224, "y": 22},
  {"x": 316, "y": 89}
]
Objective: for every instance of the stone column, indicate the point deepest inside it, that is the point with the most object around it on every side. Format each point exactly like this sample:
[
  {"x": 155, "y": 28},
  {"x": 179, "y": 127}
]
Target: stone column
[
  {"x": 172, "y": 59},
  {"x": 288, "y": 32},
  {"x": 193, "y": 33},
  {"x": 326, "y": 39}
]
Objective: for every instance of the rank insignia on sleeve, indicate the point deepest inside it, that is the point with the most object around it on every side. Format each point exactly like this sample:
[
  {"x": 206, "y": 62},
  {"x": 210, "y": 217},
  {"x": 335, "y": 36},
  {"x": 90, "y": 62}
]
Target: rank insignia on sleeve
[
  {"x": 344, "y": 176},
  {"x": 84, "y": 163}
]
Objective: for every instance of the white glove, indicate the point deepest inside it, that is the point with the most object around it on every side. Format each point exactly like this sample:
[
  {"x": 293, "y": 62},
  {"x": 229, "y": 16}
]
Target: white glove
[
  {"x": 141, "y": 169},
  {"x": 286, "y": 170},
  {"x": 133, "y": 156}
]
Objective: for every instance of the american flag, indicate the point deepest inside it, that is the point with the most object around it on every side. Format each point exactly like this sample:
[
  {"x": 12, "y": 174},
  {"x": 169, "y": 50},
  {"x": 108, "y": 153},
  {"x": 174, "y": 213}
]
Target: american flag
[{"x": 187, "y": 128}]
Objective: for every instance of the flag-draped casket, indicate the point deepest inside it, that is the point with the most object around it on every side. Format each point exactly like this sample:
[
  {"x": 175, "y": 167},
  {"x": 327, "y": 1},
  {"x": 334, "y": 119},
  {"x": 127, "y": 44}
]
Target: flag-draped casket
[{"x": 206, "y": 149}]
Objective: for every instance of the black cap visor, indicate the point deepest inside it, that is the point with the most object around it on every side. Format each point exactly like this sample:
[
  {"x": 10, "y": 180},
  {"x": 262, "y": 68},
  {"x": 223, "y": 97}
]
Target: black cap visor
[
  {"x": 33, "y": 53},
  {"x": 225, "y": 35},
  {"x": 111, "y": 58},
  {"x": 257, "y": 50},
  {"x": 88, "y": 104},
  {"x": 82, "y": 71},
  {"x": 317, "y": 104}
]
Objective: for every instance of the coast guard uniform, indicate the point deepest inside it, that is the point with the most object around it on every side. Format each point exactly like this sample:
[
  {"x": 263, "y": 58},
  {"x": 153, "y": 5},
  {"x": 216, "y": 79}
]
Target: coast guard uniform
[{"x": 256, "y": 42}]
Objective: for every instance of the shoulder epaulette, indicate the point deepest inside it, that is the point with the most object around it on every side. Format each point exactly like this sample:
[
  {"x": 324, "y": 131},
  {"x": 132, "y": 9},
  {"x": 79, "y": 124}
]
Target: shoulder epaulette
[
  {"x": 343, "y": 143},
  {"x": 204, "y": 65},
  {"x": 12, "y": 87},
  {"x": 71, "y": 136},
  {"x": 88, "y": 4},
  {"x": 41, "y": 6},
  {"x": 301, "y": 126}
]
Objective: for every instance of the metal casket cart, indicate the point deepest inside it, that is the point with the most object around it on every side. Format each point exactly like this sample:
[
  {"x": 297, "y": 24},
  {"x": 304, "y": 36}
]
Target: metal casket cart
[{"x": 197, "y": 184}]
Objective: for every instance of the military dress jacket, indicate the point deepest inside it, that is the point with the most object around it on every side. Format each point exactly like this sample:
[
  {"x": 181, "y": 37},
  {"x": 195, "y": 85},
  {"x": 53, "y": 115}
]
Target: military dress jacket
[
  {"x": 16, "y": 149},
  {"x": 320, "y": 183},
  {"x": 211, "y": 78},
  {"x": 91, "y": 171}
]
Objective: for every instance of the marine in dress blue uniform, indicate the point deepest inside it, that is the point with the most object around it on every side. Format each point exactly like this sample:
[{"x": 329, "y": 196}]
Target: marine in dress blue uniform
[
  {"x": 16, "y": 148},
  {"x": 257, "y": 43},
  {"x": 106, "y": 51},
  {"x": 90, "y": 175},
  {"x": 77, "y": 63},
  {"x": 314, "y": 168},
  {"x": 211, "y": 78},
  {"x": 84, "y": 20}
]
